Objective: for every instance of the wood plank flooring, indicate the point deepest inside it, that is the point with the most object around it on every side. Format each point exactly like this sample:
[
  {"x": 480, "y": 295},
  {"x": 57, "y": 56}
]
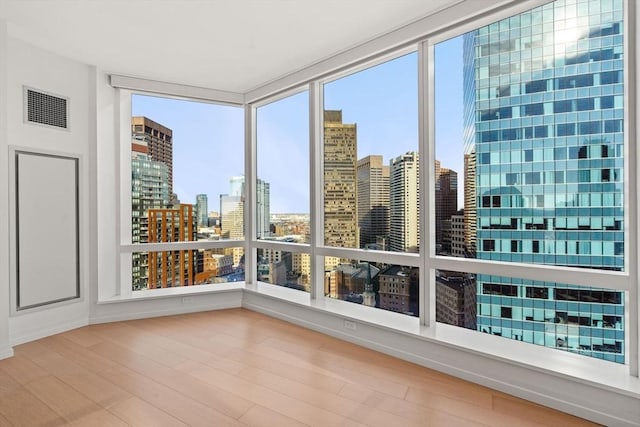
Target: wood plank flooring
[{"x": 237, "y": 368}]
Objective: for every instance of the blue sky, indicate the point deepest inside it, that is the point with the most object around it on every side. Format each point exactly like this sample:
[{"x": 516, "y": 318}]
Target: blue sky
[{"x": 382, "y": 101}]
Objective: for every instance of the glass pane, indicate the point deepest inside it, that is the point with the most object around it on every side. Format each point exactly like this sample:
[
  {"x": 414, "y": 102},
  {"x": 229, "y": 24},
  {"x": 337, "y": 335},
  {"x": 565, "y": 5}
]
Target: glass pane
[
  {"x": 371, "y": 158},
  {"x": 532, "y": 126},
  {"x": 532, "y": 123},
  {"x": 288, "y": 269},
  {"x": 282, "y": 205},
  {"x": 386, "y": 286},
  {"x": 588, "y": 321},
  {"x": 175, "y": 185},
  {"x": 169, "y": 269}
]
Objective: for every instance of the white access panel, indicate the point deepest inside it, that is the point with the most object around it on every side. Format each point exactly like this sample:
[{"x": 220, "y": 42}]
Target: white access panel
[{"x": 46, "y": 229}]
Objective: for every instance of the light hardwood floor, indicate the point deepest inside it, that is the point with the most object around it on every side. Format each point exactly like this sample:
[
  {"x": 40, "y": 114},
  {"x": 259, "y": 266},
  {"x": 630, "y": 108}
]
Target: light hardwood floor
[{"x": 237, "y": 367}]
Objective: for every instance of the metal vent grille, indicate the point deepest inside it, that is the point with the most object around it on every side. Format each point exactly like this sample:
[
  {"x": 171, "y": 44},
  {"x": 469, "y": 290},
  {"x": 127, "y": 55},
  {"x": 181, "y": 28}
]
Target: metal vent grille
[{"x": 46, "y": 109}]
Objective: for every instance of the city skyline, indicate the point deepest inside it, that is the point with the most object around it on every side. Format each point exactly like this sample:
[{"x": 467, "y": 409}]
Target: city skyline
[{"x": 382, "y": 101}]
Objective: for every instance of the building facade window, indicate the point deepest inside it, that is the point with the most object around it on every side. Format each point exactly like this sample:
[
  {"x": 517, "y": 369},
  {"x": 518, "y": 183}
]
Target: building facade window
[{"x": 561, "y": 62}]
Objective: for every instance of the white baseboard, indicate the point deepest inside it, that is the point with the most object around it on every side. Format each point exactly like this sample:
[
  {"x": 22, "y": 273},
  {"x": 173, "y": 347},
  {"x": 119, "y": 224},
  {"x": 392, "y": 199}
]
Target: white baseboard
[
  {"x": 18, "y": 337},
  {"x": 166, "y": 306},
  {"x": 134, "y": 315},
  {"x": 6, "y": 353}
]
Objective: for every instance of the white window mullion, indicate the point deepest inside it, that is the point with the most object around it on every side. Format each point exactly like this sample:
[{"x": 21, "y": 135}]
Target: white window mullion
[
  {"x": 550, "y": 273},
  {"x": 426, "y": 148},
  {"x": 316, "y": 217},
  {"x": 632, "y": 207},
  {"x": 123, "y": 177},
  {"x": 250, "y": 192}
]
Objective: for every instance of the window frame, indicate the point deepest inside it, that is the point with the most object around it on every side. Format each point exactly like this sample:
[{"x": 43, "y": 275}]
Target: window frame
[
  {"x": 626, "y": 280},
  {"x": 124, "y": 233},
  {"x": 427, "y": 260}
]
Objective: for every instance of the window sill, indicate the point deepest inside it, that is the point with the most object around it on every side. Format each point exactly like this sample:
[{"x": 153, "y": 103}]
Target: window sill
[{"x": 182, "y": 291}]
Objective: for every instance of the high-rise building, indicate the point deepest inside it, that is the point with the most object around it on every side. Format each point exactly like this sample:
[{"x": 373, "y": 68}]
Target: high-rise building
[
  {"x": 340, "y": 184},
  {"x": 149, "y": 190},
  {"x": 232, "y": 213},
  {"x": 548, "y": 143},
  {"x": 202, "y": 210},
  {"x": 236, "y": 186},
  {"x": 301, "y": 265},
  {"x": 446, "y": 183},
  {"x": 263, "y": 209},
  {"x": 159, "y": 141},
  {"x": 174, "y": 267},
  {"x": 373, "y": 201},
  {"x": 458, "y": 248},
  {"x": 404, "y": 206},
  {"x": 232, "y": 223},
  {"x": 469, "y": 205}
]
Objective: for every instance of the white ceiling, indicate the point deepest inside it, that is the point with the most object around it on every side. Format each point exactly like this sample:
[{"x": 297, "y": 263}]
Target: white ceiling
[{"x": 233, "y": 45}]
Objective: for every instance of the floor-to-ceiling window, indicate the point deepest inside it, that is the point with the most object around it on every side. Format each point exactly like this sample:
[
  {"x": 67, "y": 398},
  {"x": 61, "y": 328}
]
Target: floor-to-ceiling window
[{"x": 533, "y": 121}]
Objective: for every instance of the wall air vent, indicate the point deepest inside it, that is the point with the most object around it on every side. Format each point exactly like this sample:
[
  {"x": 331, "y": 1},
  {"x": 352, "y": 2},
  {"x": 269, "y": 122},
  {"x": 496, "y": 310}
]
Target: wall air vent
[{"x": 46, "y": 109}]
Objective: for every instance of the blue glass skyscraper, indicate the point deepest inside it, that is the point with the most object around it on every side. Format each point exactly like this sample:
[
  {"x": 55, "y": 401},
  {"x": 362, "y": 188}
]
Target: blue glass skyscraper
[{"x": 544, "y": 111}]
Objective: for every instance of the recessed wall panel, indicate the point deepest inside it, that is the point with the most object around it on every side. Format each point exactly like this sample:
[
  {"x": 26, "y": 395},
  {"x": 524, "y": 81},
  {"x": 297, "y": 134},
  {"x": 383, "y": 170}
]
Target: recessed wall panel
[{"x": 47, "y": 251}]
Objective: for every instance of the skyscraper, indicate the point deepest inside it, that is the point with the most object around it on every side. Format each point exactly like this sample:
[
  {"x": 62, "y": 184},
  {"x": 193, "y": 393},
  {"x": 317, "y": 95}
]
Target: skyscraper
[
  {"x": 404, "y": 206},
  {"x": 263, "y": 209},
  {"x": 149, "y": 190},
  {"x": 373, "y": 201},
  {"x": 159, "y": 141},
  {"x": 458, "y": 247},
  {"x": 202, "y": 210},
  {"x": 470, "y": 205},
  {"x": 446, "y": 181},
  {"x": 232, "y": 223},
  {"x": 232, "y": 213},
  {"x": 340, "y": 184},
  {"x": 548, "y": 141}
]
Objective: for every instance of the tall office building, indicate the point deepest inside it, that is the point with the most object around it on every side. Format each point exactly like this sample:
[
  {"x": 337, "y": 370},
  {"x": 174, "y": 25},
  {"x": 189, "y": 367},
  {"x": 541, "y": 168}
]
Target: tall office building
[
  {"x": 159, "y": 141},
  {"x": 373, "y": 201},
  {"x": 232, "y": 213},
  {"x": 547, "y": 117},
  {"x": 174, "y": 267},
  {"x": 202, "y": 210},
  {"x": 404, "y": 206},
  {"x": 458, "y": 247},
  {"x": 340, "y": 184},
  {"x": 149, "y": 190},
  {"x": 446, "y": 182},
  {"x": 236, "y": 186},
  {"x": 470, "y": 217},
  {"x": 232, "y": 223},
  {"x": 263, "y": 209}
]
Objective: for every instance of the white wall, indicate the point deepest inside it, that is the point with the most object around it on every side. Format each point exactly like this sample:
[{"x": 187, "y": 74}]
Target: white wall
[
  {"x": 95, "y": 109},
  {"x": 30, "y": 66},
  {"x": 5, "y": 348}
]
